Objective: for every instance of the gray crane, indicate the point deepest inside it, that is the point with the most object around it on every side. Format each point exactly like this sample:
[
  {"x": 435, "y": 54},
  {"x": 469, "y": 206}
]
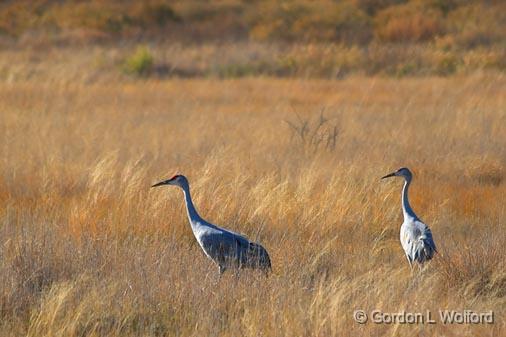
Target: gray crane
[
  {"x": 416, "y": 237},
  {"x": 226, "y": 248}
]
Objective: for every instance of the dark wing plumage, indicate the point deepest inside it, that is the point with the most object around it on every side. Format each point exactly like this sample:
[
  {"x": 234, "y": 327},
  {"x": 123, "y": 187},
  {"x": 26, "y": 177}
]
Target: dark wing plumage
[
  {"x": 255, "y": 256},
  {"x": 251, "y": 254},
  {"x": 229, "y": 249},
  {"x": 422, "y": 246},
  {"x": 426, "y": 247}
]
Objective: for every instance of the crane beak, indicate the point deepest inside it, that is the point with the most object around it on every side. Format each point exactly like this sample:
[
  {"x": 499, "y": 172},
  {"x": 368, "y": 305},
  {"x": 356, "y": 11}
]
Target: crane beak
[
  {"x": 161, "y": 183},
  {"x": 389, "y": 175}
]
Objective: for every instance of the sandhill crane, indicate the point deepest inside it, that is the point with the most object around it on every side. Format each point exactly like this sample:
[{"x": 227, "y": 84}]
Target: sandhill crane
[
  {"x": 226, "y": 248},
  {"x": 416, "y": 237}
]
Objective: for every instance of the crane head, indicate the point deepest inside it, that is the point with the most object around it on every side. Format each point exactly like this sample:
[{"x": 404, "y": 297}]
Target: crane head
[
  {"x": 402, "y": 172},
  {"x": 177, "y": 180}
]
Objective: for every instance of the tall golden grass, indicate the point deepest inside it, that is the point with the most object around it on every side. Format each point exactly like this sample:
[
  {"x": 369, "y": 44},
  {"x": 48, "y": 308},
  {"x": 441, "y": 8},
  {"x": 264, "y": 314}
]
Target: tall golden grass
[{"x": 88, "y": 249}]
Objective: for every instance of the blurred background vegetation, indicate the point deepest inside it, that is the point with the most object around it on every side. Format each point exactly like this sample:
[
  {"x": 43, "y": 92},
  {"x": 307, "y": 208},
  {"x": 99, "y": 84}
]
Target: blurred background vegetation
[{"x": 321, "y": 38}]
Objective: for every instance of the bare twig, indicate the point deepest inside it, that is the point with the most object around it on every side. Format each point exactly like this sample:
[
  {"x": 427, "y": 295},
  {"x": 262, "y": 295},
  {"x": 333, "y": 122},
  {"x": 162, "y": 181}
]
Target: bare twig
[{"x": 315, "y": 134}]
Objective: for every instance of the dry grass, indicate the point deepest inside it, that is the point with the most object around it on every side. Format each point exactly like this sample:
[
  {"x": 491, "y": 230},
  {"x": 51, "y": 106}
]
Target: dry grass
[
  {"x": 87, "y": 249},
  {"x": 112, "y": 63}
]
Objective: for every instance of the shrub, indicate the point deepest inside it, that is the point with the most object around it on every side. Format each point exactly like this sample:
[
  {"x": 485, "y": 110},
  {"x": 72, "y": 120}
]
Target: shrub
[
  {"x": 352, "y": 24},
  {"x": 410, "y": 22},
  {"x": 314, "y": 21},
  {"x": 371, "y": 7},
  {"x": 155, "y": 13},
  {"x": 485, "y": 59},
  {"x": 478, "y": 25},
  {"x": 106, "y": 17},
  {"x": 17, "y": 17},
  {"x": 276, "y": 20},
  {"x": 445, "y": 63},
  {"x": 140, "y": 63}
]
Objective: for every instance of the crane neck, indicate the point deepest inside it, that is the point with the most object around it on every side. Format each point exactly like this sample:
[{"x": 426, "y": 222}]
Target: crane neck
[
  {"x": 193, "y": 216},
  {"x": 407, "y": 211}
]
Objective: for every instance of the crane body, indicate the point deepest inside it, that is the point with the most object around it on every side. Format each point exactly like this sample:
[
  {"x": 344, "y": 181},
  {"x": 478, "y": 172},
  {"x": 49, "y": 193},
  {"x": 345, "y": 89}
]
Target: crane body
[
  {"x": 226, "y": 248},
  {"x": 415, "y": 236}
]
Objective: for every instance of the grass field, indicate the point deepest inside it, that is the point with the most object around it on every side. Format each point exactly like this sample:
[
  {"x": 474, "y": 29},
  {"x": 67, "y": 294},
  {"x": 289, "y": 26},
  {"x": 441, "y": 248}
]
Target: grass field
[{"x": 88, "y": 249}]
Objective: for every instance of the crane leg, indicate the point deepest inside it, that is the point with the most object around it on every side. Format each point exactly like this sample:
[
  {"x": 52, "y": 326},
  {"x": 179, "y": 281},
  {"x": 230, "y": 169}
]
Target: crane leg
[
  {"x": 221, "y": 271},
  {"x": 410, "y": 264}
]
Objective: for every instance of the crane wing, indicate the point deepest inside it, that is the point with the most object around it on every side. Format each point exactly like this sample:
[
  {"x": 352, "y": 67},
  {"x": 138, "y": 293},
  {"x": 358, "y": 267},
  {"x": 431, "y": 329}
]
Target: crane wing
[
  {"x": 417, "y": 241},
  {"x": 227, "y": 248}
]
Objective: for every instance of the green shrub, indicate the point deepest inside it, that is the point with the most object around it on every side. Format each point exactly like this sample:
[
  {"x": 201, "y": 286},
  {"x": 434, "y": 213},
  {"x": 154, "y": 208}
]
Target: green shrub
[{"x": 140, "y": 63}]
